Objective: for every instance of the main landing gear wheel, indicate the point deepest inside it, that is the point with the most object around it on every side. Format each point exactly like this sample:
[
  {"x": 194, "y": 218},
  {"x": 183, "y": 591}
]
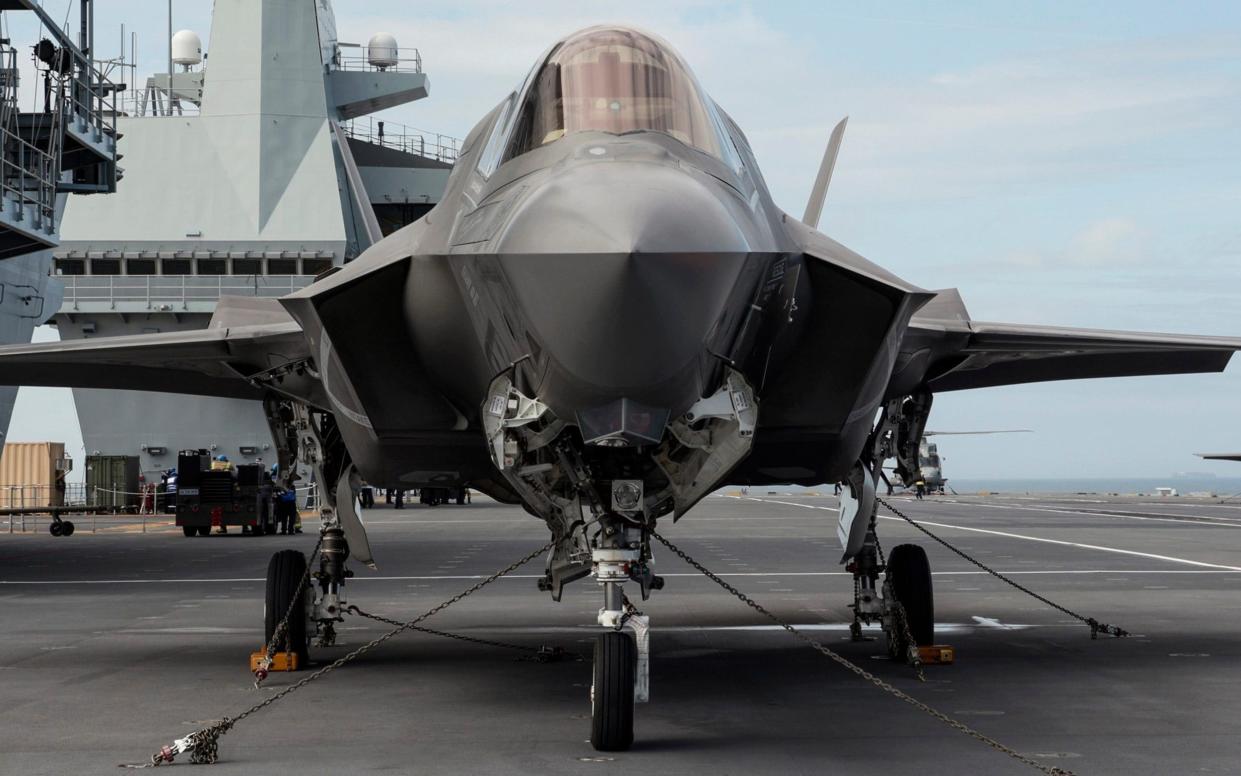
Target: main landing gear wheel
[
  {"x": 55, "y": 529},
  {"x": 284, "y": 583},
  {"x": 204, "y": 530},
  {"x": 909, "y": 578},
  {"x": 189, "y": 530},
  {"x": 611, "y": 694},
  {"x": 66, "y": 528}
]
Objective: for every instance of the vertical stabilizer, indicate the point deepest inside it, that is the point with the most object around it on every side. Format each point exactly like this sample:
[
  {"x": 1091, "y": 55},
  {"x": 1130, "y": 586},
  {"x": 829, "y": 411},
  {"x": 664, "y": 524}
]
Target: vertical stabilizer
[{"x": 814, "y": 208}]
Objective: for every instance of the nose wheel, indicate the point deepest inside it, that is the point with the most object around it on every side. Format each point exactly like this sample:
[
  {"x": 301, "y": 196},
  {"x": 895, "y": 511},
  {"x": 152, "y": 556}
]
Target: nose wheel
[{"x": 611, "y": 693}]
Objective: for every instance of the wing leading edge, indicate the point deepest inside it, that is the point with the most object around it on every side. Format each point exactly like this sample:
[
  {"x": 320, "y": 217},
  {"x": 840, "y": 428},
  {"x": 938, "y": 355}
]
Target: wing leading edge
[
  {"x": 244, "y": 341},
  {"x": 976, "y": 354}
]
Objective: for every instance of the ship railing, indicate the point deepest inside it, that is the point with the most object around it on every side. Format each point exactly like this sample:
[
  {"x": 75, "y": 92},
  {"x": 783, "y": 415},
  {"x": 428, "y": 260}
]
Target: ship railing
[
  {"x": 28, "y": 176},
  {"x": 160, "y": 291},
  {"x": 28, "y": 173},
  {"x": 407, "y": 60},
  {"x": 153, "y": 103},
  {"x": 411, "y": 140},
  {"x": 92, "y": 106}
]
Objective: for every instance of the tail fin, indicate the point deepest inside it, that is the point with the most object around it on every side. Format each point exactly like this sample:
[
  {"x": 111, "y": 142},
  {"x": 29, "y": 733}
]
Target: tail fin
[{"x": 814, "y": 208}]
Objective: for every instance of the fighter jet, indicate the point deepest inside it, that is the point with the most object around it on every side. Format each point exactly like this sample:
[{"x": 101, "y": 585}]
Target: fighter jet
[{"x": 605, "y": 319}]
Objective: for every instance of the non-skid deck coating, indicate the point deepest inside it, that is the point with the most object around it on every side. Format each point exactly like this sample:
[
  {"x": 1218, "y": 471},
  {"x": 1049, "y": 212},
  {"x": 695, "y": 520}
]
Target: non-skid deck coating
[{"x": 114, "y": 644}]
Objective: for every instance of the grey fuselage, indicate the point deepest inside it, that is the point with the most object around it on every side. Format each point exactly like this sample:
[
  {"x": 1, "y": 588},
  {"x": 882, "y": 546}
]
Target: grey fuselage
[{"x": 597, "y": 268}]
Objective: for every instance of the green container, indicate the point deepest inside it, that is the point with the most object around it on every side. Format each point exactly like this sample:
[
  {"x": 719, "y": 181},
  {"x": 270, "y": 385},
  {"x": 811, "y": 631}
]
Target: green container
[{"x": 112, "y": 481}]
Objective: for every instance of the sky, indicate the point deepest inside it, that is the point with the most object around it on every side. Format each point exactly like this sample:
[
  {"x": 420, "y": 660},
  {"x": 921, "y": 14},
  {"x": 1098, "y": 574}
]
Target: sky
[{"x": 1060, "y": 162}]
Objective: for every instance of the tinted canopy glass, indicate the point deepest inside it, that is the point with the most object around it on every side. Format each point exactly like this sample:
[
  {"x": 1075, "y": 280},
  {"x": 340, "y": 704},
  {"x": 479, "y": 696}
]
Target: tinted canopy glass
[{"x": 613, "y": 80}]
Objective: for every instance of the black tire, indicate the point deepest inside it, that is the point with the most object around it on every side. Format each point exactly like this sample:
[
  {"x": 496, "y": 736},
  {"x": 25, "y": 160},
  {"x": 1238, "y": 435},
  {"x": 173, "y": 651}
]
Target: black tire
[
  {"x": 284, "y": 583},
  {"x": 611, "y": 694},
  {"x": 55, "y": 529},
  {"x": 909, "y": 574},
  {"x": 189, "y": 530},
  {"x": 204, "y": 530},
  {"x": 66, "y": 528}
]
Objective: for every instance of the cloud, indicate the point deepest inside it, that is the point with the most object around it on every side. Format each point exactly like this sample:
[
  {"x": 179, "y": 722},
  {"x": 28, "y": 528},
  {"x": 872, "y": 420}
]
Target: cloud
[{"x": 1110, "y": 242}]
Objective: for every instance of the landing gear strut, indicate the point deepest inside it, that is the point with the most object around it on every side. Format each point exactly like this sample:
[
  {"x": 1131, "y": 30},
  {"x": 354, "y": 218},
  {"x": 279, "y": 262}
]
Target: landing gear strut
[
  {"x": 905, "y": 602},
  {"x": 621, "y": 659}
]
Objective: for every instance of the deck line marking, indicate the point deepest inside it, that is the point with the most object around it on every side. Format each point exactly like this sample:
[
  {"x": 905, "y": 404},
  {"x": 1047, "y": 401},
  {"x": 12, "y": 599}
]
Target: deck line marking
[
  {"x": 1167, "y": 517},
  {"x": 1061, "y": 542},
  {"x": 690, "y": 575}
]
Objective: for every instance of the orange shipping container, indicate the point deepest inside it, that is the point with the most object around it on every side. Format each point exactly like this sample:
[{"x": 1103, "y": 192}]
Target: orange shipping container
[{"x": 32, "y": 474}]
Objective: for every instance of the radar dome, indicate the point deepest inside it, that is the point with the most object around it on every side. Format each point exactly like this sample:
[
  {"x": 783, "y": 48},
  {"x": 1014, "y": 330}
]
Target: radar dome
[
  {"x": 381, "y": 50},
  {"x": 187, "y": 48}
]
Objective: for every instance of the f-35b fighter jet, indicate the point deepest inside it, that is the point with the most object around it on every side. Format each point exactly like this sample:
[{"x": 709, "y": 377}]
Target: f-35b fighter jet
[{"x": 605, "y": 319}]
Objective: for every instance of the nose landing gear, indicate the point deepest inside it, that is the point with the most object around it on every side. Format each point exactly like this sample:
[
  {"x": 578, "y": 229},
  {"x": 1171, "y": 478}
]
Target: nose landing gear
[{"x": 621, "y": 660}]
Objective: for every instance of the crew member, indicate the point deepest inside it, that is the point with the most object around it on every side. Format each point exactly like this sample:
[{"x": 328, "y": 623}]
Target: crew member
[{"x": 920, "y": 488}]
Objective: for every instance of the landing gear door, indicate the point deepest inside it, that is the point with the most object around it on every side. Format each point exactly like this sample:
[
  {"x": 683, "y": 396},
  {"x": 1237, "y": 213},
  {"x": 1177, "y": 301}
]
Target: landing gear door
[
  {"x": 857, "y": 503},
  {"x": 347, "y": 514}
]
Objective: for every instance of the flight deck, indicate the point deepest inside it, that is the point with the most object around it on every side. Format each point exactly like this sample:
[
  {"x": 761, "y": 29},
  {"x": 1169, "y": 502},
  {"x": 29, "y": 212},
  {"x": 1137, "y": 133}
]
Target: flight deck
[{"x": 119, "y": 641}]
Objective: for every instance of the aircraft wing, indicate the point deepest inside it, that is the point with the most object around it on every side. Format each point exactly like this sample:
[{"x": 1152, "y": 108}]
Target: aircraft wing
[
  {"x": 1219, "y": 456},
  {"x": 992, "y": 354},
  {"x": 217, "y": 361}
]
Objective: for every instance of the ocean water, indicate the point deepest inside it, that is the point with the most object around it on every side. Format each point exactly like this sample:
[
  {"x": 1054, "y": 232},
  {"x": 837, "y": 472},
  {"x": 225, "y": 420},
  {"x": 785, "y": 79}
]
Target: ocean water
[{"x": 1184, "y": 484}]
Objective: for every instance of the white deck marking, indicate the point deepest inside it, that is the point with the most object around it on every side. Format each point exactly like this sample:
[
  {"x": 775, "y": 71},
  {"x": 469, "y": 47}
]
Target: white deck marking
[
  {"x": 1160, "y": 517},
  {"x": 688, "y": 575},
  {"x": 1079, "y": 545},
  {"x": 1011, "y": 535},
  {"x": 992, "y": 622}
]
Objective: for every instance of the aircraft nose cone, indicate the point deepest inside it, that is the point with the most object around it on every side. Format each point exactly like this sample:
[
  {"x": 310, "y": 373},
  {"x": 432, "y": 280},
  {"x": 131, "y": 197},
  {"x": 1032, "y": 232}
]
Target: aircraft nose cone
[
  {"x": 627, "y": 207},
  {"x": 622, "y": 276}
]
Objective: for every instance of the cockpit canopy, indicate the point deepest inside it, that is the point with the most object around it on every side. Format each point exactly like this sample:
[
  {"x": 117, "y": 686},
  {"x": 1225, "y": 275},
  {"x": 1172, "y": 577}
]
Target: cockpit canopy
[{"x": 617, "y": 80}]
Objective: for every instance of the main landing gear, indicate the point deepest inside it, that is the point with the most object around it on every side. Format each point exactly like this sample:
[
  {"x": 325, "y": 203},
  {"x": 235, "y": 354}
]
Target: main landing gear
[
  {"x": 904, "y": 603},
  {"x": 896, "y": 592},
  {"x": 291, "y": 591}
]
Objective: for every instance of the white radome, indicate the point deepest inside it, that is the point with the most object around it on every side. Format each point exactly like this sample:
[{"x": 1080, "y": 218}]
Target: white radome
[
  {"x": 187, "y": 48},
  {"x": 381, "y": 50}
]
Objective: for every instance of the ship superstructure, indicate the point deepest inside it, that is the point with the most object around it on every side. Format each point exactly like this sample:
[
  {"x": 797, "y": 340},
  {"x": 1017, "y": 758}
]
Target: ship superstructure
[
  {"x": 250, "y": 171},
  {"x": 65, "y": 145}
]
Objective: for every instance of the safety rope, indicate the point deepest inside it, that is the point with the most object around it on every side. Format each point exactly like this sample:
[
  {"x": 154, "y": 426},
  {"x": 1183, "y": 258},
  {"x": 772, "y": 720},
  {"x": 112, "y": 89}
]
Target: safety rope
[
  {"x": 541, "y": 654},
  {"x": 1096, "y": 627},
  {"x": 858, "y": 670},
  {"x": 203, "y": 745}
]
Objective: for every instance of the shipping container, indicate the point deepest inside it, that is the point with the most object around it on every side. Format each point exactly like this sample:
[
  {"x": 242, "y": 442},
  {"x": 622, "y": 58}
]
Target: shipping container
[
  {"x": 112, "y": 481},
  {"x": 32, "y": 474}
]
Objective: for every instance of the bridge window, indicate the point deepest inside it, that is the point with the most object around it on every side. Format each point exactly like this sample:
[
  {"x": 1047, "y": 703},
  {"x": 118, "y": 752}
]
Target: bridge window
[
  {"x": 139, "y": 266},
  {"x": 175, "y": 267},
  {"x": 70, "y": 267},
  {"x": 105, "y": 266}
]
